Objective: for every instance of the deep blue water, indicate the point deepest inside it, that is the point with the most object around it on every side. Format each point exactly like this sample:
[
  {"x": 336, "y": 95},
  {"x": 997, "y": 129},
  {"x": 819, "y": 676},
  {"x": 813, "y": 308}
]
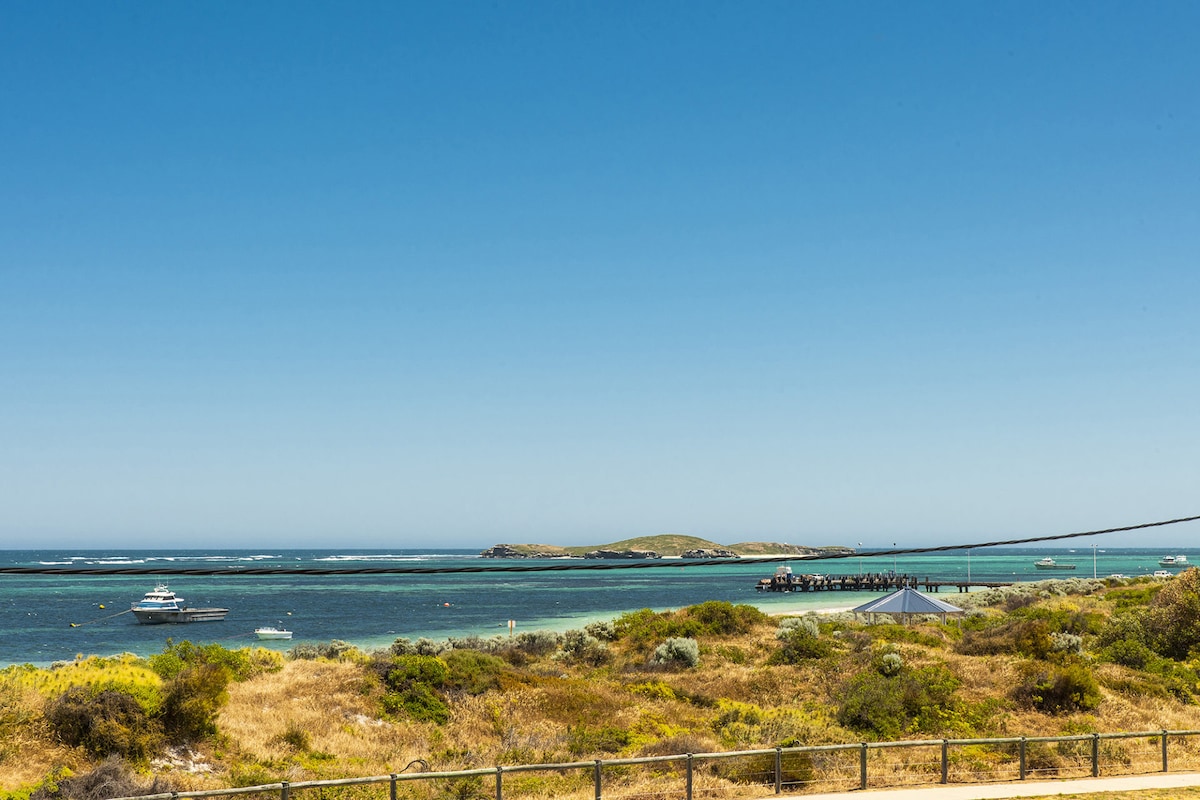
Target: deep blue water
[{"x": 53, "y": 618}]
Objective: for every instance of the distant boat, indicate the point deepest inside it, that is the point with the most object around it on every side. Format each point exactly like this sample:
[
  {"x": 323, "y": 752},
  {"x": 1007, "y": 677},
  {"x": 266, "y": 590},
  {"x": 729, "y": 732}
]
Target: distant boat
[
  {"x": 163, "y": 605},
  {"x": 1050, "y": 563},
  {"x": 1162, "y": 573},
  {"x": 1173, "y": 561},
  {"x": 272, "y": 633}
]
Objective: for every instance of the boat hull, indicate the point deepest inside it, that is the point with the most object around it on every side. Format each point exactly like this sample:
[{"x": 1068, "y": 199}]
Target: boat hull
[
  {"x": 273, "y": 634},
  {"x": 162, "y": 616}
]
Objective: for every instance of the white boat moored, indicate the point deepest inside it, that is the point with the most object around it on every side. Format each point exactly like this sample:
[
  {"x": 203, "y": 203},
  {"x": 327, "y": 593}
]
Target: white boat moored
[{"x": 272, "y": 633}]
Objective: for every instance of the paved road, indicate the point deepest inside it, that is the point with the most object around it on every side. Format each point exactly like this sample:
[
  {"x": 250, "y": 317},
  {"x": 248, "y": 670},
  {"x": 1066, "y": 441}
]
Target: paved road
[{"x": 1159, "y": 780}]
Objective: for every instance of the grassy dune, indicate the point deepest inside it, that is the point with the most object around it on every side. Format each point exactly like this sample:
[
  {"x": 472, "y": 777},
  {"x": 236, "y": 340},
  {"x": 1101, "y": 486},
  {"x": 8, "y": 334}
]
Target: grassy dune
[{"x": 1062, "y": 657}]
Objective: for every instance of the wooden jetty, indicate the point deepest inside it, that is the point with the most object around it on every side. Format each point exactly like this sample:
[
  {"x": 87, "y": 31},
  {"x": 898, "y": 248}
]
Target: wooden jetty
[{"x": 784, "y": 580}]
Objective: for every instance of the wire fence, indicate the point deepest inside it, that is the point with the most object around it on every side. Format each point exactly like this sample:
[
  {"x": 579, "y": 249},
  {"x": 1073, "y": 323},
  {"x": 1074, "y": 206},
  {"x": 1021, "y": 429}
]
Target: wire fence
[{"x": 745, "y": 773}]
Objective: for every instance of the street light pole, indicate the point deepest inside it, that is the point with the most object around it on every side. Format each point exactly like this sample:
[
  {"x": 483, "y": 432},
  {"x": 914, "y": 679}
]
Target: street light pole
[
  {"x": 968, "y": 565},
  {"x": 893, "y": 559},
  {"x": 1093, "y": 562},
  {"x": 860, "y": 559}
]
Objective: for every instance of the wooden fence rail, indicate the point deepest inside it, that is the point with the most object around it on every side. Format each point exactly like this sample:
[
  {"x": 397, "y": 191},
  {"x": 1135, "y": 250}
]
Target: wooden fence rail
[{"x": 689, "y": 761}]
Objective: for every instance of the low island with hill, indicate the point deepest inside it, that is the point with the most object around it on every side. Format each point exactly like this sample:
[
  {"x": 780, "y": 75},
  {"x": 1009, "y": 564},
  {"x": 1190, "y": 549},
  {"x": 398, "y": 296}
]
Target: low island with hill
[{"x": 663, "y": 546}]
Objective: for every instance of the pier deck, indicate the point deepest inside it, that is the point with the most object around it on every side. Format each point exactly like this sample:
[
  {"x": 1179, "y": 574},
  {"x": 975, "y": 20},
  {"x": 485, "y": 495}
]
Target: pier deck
[{"x": 870, "y": 582}]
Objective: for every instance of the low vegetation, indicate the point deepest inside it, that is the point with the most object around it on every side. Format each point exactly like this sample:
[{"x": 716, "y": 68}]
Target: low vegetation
[{"x": 1060, "y": 657}]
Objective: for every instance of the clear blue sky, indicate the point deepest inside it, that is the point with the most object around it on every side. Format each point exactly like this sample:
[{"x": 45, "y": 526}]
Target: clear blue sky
[{"x": 402, "y": 274}]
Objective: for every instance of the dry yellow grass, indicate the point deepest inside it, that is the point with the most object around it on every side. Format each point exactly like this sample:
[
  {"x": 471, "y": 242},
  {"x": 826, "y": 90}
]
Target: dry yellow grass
[{"x": 326, "y": 700}]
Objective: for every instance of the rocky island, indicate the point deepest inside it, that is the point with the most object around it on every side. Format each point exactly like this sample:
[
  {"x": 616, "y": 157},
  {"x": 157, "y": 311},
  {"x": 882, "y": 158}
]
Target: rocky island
[{"x": 663, "y": 546}]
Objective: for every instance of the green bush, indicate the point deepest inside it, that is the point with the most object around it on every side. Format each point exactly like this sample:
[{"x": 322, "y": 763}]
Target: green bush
[
  {"x": 720, "y": 618},
  {"x": 909, "y": 700},
  {"x": 1173, "y": 619},
  {"x": 799, "y": 643},
  {"x": 472, "y": 672},
  {"x": 583, "y": 740},
  {"x": 241, "y": 664},
  {"x": 413, "y": 682},
  {"x": 418, "y": 701},
  {"x": 108, "y": 723},
  {"x": 406, "y": 670},
  {"x": 1027, "y": 637},
  {"x": 1058, "y": 689},
  {"x": 191, "y": 701},
  {"x": 713, "y": 618},
  {"x": 583, "y": 648}
]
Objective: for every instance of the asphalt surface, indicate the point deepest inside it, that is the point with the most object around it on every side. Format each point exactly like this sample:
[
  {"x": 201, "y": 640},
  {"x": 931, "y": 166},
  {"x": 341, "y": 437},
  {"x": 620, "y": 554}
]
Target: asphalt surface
[{"x": 984, "y": 791}]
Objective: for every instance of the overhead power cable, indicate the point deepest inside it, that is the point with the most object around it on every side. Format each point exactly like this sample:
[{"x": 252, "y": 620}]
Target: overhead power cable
[{"x": 558, "y": 566}]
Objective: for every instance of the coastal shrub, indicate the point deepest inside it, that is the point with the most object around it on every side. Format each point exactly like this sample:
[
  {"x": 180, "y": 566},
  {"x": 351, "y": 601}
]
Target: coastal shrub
[
  {"x": 472, "y": 672},
  {"x": 713, "y": 618},
  {"x": 890, "y": 664},
  {"x": 104, "y": 724},
  {"x": 1129, "y": 653},
  {"x": 1134, "y": 596},
  {"x": 799, "y": 642},
  {"x": 295, "y": 738},
  {"x": 240, "y": 664},
  {"x": 745, "y": 725},
  {"x": 1068, "y": 643},
  {"x": 604, "y": 630},
  {"x": 191, "y": 701},
  {"x": 480, "y": 644},
  {"x": 677, "y": 652},
  {"x": 644, "y": 627},
  {"x": 412, "y": 683},
  {"x": 1173, "y": 619},
  {"x": 1065, "y": 620},
  {"x": 889, "y": 705},
  {"x": 583, "y": 648},
  {"x": 1058, "y": 689},
  {"x": 332, "y": 650},
  {"x": 417, "y": 701},
  {"x": 407, "y": 670},
  {"x": 537, "y": 643},
  {"x": 721, "y": 618},
  {"x": 1027, "y": 637},
  {"x": 111, "y": 778},
  {"x": 583, "y": 740}
]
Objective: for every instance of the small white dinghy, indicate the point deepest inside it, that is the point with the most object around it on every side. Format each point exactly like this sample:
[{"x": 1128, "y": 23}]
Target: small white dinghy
[{"x": 272, "y": 633}]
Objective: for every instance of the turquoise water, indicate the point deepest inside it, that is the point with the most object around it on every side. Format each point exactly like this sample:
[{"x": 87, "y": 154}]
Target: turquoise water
[{"x": 46, "y": 618}]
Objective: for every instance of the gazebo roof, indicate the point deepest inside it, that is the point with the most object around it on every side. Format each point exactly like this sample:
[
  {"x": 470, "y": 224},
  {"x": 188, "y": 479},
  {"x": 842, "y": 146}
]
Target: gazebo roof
[{"x": 907, "y": 601}]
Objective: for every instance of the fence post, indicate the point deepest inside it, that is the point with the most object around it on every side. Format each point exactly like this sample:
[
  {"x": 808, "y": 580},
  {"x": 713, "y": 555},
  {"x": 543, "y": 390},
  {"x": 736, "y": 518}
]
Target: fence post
[
  {"x": 1022, "y": 751},
  {"x": 862, "y": 766},
  {"x": 778, "y": 770},
  {"x": 392, "y": 787},
  {"x": 689, "y": 776},
  {"x": 283, "y": 791},
  {"x": 499, "y": 782},
  {"x": 945, "y": 761},
  {"x": 596, "y": 777},
  {"x": 1164, "y": 749},
  {"x": 1095, "y": 755}
]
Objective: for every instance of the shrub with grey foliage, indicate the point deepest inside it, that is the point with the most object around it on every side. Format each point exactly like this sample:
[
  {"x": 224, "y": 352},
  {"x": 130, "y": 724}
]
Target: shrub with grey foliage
[{"x": 677, "y": 651}]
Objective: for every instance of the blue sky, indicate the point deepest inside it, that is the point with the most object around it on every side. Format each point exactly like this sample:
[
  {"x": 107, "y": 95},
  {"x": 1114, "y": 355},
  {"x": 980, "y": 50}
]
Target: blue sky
[{"x": 399, "y": 275}]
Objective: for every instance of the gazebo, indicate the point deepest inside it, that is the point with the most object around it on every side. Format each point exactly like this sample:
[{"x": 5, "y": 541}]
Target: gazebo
[{"x": 905, "y": 603}]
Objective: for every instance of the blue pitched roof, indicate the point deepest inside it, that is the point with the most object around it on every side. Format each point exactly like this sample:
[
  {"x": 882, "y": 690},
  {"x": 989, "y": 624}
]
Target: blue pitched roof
[{"x": 907, "y": 601}]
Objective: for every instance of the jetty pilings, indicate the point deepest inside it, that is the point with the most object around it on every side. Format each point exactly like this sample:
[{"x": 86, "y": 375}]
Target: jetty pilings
[{"x": 868, "y": 582}]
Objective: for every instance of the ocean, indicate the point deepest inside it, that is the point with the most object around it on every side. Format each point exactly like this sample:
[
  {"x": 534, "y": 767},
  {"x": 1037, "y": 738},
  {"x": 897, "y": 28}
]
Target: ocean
[{"x": 49, "y": 618}]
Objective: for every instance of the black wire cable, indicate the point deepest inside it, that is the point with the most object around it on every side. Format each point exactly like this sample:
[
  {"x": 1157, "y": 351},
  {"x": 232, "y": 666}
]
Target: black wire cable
[{"x": 560, "y": 567}]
